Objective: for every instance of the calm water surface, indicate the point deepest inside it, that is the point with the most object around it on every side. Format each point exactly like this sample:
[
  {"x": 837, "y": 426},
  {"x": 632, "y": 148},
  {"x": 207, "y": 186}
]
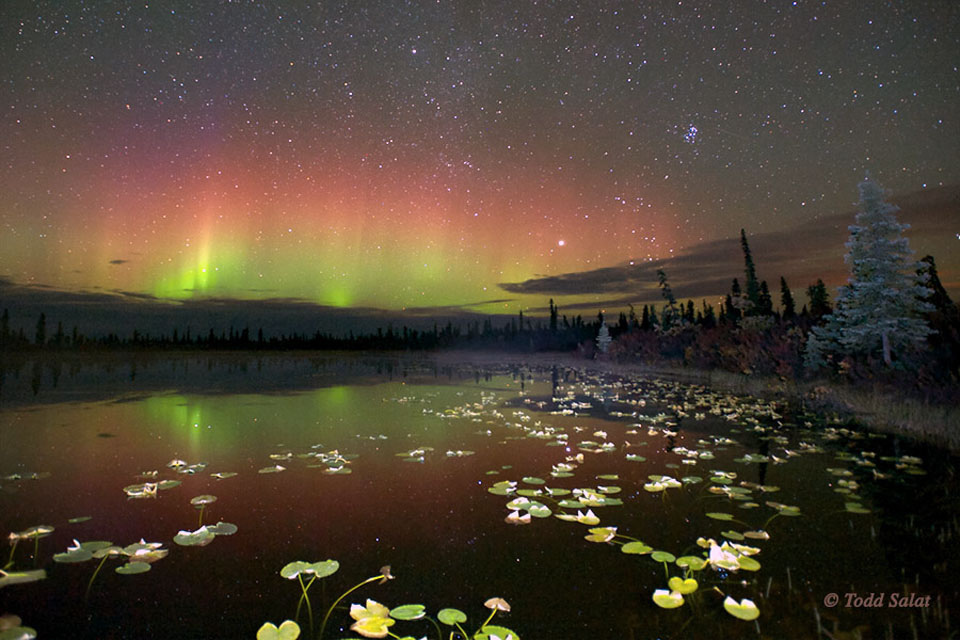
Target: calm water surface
[{"x": 74, "y": 435}]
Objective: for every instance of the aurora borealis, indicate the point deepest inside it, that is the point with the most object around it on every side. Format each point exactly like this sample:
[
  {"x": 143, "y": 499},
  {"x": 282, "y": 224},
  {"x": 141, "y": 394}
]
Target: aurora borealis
[{"x": 399, "y": 155}]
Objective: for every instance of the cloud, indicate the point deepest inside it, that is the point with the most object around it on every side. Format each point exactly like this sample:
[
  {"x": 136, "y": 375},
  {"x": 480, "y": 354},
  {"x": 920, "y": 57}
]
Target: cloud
[{"x": 809, "y": 251}]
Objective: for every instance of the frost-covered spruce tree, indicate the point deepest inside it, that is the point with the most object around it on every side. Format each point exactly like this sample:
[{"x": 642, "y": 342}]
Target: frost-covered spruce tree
[{"x": 878, "y": 311}]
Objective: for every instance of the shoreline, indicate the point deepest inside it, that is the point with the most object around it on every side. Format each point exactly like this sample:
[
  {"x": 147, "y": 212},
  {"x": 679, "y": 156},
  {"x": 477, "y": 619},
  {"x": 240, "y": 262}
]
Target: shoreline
[{"x": 873, "y": 409}]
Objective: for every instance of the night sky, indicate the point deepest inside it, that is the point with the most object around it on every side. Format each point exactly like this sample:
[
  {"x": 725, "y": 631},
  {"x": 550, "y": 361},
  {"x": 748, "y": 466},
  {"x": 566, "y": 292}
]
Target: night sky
[{"x": 464, "y": 155}]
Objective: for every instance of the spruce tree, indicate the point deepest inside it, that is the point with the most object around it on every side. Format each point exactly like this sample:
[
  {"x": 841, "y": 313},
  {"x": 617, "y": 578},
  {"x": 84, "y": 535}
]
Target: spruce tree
[
  {"x": 765, "y": 307},
  {"x": 671, "y": 314},
  {"x": 878, "y": 310},
  {"x": 751, "y": 284},
  {"x": 786, "y": 300}
]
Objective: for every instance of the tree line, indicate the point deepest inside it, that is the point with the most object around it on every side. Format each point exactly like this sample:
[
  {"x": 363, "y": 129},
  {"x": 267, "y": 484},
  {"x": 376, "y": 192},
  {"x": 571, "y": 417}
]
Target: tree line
[{"x": 893, "y": 314}]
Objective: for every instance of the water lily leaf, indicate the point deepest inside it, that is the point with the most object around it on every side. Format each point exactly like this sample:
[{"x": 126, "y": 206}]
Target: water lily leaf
[
  {"x": 608, "y": 490},
  {"x": 324, "y": 569},
  {"x": 720, "y": 516},
  {"x": 79, "y": 519},
  {"x": 601, "y": 534},
  {"x": 748, "y": 564},
  {"x": 757, "y": 535},
  {"x": 745, "y": 609},
  {"x": 608, "y": 476},
  {"x": 571, "y": 504},
  {"x": 293, "y": 569},
  {"x": 557, "y": 492},
  {"x": 561, "y": 474},
  {"x": 636, "y": 547},
  {"x": 733, "y": 535},
  {"x": 203, "y": 500},
  {"x": 74, "y": 555},
  {"x": 856, "y": 507},
  {"x": 199, "y": 538},
  {"x": 667, "y": 599},
  {"x": 681, "y": 586},
  {"x": 18, "y": 633},
  {"x": 223, "y": 475},
  {"x": 274, "y": 469},
  {"x": 408, "y": 612},
  {"x": 663, "y": 556},
  {"x": 538, "y": 510},
  {"x": 451, "y": 616},
  {"x": 492, "y": 631},
  {"x": 163, "y": 485},
  {"x": 691, "y": 479},
  {"x": 530, "y": 493},
  {"x": 22, "y": 577},
  {"x": 693, "y": 562},
  {"x": 533, "y": 480},
  {"x": 632, "y": 457},
  {"x": 223, "y": 529},
  {"x": 288, "y": 630},
  {"x": 132, "y": 568}
]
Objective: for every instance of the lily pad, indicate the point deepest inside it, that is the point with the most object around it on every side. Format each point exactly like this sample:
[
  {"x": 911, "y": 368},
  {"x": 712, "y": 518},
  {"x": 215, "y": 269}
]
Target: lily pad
[
  {"x": 132, "y": 568},
  {"x": 199, "y": 538},
  {"x": 288, "y": 630},
  {"x": 408, "y": 612},
  {"x": 681, "y": 586},
  {"x": 451, "y": 616},
  {"x": 21, "y": 577},
  {"x": 79, "y": 519},
  {"x": 18, "y": 633},
  {"x": 203, "y": 500},
  {"x": 324, "y": 568},
  {"x": 663, "y": 556},
  {"x": 533, "y": 480},
  {"x": 667, "y": 599},
  {"x": 490, "y": 631},
  {"x": 856, "y": 507},
  {"x": 693, "y": 562},
  {"x": 636, "y": 547},
  {"x": 293, "y": 569},
  {"x": 223, "y": 529},
  {"x": 745, "y": 609},
  {"x": 720, "y": 516}
]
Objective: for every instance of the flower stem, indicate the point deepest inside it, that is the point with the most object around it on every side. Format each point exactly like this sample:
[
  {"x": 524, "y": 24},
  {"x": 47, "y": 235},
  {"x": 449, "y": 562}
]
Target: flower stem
[
  {"x": 439, "y": 631},
  {"x": 305, "y": 597},
  {"x": 200, "y": 520},
  {"x": 13, "y": 548},
  {"x": 323, "y": 625},
  {"x": 86, "y": 596},
  {"x": 489, "y": 618}
]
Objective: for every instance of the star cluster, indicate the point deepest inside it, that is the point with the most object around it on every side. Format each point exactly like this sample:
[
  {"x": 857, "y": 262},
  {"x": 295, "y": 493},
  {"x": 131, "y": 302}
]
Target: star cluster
[{"x": 404, "y": 154}]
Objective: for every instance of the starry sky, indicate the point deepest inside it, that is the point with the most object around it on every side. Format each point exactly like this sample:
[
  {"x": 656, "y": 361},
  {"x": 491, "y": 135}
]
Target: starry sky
[{"x": 470, "y": 155}]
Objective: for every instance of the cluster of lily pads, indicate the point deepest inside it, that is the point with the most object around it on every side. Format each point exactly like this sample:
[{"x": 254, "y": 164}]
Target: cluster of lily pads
[
  {"x": 530, "y": 498},
  {"x": 373, "y": 619}
]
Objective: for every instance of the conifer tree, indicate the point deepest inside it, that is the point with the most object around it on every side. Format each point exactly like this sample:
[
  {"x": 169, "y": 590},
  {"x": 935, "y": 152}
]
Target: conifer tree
[
  {"x": 878, "y": 310},
  {"x": 819, "y": 299},
  {"x": 786, "y": 300},
  {"x": 671, "y": 314},
  {"x": 765, "y": 307},
  {"x": 751, "y": 284},
  {"x": 41, "y": 337}
]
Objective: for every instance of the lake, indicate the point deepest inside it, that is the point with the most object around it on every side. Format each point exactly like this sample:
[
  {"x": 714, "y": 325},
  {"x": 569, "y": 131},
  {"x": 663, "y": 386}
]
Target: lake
[{"x": 417, "y": 464}]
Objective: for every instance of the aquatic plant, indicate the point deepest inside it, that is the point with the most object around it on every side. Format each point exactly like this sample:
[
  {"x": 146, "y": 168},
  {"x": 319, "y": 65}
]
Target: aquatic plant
[
  {"x": 201, "y": 503},
  {"x": 314, "y": 570},
  {"x": 288, "y": 630},
  {"x": 11, "y": 629}
]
